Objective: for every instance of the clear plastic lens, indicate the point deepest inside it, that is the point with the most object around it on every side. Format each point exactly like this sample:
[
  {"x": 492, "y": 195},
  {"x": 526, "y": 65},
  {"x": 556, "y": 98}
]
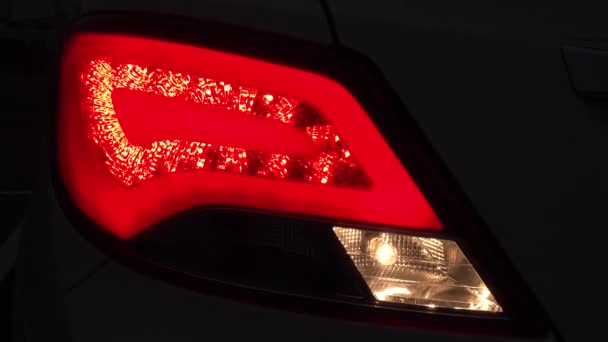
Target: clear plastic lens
[{"x": 416, "y": 270}]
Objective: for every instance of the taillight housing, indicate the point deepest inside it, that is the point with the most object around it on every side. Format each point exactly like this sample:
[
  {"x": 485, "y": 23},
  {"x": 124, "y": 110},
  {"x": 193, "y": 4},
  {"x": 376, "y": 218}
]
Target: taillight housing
[{"x": 202, "y": 157}]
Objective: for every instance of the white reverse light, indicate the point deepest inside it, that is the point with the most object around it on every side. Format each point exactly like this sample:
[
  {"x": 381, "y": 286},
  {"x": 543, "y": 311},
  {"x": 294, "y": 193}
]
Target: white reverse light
[{"x": 423, "y": 271}]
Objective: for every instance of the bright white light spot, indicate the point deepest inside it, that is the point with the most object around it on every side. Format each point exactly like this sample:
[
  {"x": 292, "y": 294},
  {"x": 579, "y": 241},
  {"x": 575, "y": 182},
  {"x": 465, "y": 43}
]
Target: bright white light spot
[
  {"x": 392, "y": 291},
  {"x": 386, "y": 254}
]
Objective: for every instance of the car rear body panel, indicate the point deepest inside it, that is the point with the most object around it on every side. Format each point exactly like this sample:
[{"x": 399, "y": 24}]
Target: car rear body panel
[
  {"x": 494, "y": 97},
  {"x": 99, "y": 300},
  {"x": 488, "y": 84}
]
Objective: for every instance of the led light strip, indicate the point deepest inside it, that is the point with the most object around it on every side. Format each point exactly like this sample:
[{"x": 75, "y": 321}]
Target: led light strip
[{"x": 132, "y": 164}]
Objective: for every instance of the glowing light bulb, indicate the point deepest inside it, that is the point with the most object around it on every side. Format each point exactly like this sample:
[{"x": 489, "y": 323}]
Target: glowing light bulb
[
  {"x": 386, "y": 254},
  {"x": 383, "y": 251}
]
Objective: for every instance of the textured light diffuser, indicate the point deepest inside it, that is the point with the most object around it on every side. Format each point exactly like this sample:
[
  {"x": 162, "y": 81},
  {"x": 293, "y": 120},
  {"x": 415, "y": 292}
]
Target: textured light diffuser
[
  {"x": 326, "y": 161},
  {"x": 423, "y": 271}
]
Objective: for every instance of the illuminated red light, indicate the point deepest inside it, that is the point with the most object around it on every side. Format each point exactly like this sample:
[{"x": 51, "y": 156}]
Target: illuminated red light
[
  {"x": 179, "y": 122},
  {"x": 144, "y": 122},
  {"x": 144, "y": 117}
]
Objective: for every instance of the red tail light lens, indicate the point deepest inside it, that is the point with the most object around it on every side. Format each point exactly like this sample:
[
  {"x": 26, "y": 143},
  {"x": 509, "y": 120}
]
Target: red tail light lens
[
  {"x": 168, "y": 114},
  {"x": 151, "y": 128}
]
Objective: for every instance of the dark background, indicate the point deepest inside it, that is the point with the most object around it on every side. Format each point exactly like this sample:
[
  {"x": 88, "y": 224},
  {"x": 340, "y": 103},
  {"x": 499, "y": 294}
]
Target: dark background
[{"x": 486, "y": 81}]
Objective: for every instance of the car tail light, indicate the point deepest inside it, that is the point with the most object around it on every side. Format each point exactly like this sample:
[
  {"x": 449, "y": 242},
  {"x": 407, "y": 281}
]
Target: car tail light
[
  {"x": 213, "y": 128},
  {"x": 244, "y": 170}
]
